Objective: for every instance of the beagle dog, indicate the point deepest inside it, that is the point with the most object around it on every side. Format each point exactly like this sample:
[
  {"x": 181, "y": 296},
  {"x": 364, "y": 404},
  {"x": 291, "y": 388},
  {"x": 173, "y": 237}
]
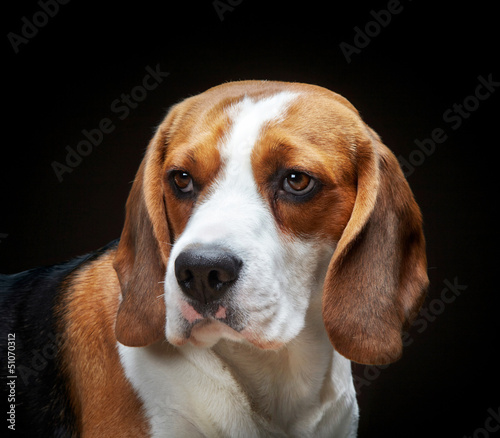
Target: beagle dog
[{"x": 270, "y": 239}]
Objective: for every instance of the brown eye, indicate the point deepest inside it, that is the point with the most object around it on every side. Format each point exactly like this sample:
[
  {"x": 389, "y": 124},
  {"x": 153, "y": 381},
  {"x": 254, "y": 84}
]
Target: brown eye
[
  {"x": 183, "y": 181},
  {"x": 298, "y": 183}
]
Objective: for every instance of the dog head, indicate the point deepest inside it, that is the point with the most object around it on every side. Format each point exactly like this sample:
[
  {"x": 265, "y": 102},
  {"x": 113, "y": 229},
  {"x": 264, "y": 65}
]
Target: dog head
[{"x": 254, "y": 201}]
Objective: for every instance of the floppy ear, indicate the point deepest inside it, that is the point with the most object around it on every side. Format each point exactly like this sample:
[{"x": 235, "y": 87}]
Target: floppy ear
[
  {"x": 377, "y": 278},
  {"x": 142, "y": 254}
]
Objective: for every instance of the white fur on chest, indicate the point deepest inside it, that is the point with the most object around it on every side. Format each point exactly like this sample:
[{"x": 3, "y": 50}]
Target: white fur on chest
[
  {"x": 185, "y": 397},
  {"x": 191, "y": 391}
]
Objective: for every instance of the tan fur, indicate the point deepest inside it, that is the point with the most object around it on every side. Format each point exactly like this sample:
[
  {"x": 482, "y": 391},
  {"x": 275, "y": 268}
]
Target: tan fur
[
  {"x": 315, "y": 144},
  {"x": 104, "y": 401},
  {"x": 377, "y": 278}
]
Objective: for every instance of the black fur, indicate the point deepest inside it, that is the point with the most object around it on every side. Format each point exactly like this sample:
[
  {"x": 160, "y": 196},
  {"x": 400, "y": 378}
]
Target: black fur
[{"x": 28, "y": 311}]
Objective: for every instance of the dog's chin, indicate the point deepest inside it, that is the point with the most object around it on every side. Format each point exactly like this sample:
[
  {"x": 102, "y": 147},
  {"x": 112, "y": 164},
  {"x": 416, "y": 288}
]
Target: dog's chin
[{"x": 207, "y": 332}]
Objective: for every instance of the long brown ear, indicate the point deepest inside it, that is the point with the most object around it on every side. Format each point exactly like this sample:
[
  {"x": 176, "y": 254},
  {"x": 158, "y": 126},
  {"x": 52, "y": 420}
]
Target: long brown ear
[
  {"x": 142, "y": 254},
  {"x": 377, "y": 278}
]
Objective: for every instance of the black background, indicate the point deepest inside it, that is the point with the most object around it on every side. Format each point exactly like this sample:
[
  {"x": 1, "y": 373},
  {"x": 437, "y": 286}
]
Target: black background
[{"x": 428, "y": 58}]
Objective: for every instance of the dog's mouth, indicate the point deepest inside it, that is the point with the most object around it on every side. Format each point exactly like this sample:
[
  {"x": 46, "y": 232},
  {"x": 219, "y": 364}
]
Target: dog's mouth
[
  {"x": 193, "y": 313},
  {"x": 207, "y": 332},
  {"x": 204, "y": 326}
]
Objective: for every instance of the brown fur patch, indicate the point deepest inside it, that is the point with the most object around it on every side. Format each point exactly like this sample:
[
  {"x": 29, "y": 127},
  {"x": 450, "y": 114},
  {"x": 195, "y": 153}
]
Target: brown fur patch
[
  {"x": 377, "y": 278},
  {"x": 321, "y": 145},
  {"x": 104, "y": 401}
]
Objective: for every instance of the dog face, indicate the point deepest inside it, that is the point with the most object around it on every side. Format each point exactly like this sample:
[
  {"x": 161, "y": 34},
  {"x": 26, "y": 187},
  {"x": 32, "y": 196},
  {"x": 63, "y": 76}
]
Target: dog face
[
  {"x": 242, "y": 266},
  {"x": 256, "y": 200}
]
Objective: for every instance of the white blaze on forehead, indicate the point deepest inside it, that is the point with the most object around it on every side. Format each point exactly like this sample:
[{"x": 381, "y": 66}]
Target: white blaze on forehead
[
  {"x": 234, "y": 201},
  {"x": 249, "y": 118}
]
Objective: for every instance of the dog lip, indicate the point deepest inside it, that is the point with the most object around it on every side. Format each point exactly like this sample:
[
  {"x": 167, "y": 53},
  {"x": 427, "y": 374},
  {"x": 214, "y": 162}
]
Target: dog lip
[
  {"x": 190, "y": 314},
  {"x": 221, "y": 313},
  {"x": 208, "y": 332},
  {"x": 202, "y": 325},
  {"x": 193, "y": 312},
  {"x": 205, "y": 330}
]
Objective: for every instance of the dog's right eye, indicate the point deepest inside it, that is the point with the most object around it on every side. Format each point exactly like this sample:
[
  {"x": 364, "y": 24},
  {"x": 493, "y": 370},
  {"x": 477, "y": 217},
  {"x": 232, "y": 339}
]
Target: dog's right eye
[
  {"x": 182, "y": 181},
  {"x": 298, "y": 183}
]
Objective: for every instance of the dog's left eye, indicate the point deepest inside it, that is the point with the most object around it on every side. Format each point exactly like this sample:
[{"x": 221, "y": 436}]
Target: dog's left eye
[
  {"x": 298, "y": 183},
  {"x": 183, "y": 181}
]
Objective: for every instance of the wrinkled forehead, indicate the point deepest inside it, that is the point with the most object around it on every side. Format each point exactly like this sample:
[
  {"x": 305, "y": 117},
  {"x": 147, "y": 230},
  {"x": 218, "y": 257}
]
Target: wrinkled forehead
[{"x": 251, "y": 121}]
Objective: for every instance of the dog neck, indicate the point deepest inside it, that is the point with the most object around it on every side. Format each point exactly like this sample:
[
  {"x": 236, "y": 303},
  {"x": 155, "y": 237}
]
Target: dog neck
[
  {"x": 287, "y": 384},
  {"x": 303, "y": 389}
]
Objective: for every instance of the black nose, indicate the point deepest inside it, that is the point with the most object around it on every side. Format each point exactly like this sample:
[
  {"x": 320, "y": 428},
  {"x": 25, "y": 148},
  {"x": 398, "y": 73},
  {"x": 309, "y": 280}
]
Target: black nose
[{"x": 205, "y": 273}]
